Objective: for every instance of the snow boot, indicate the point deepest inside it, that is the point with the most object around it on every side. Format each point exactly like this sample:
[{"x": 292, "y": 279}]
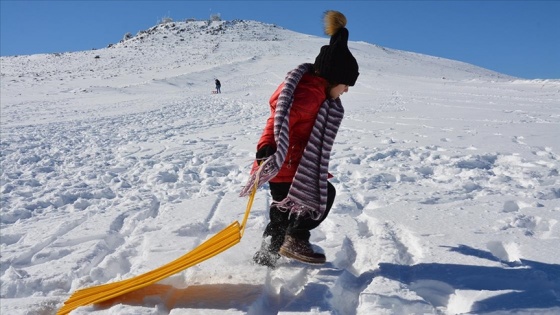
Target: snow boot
[
  {"x": 265, "y": 256},
  {"x": 301, "y": 250}
]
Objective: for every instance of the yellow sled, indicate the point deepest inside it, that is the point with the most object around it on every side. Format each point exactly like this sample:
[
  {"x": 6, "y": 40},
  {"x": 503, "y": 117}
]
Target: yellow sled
[{"x": 225, "y": 239}]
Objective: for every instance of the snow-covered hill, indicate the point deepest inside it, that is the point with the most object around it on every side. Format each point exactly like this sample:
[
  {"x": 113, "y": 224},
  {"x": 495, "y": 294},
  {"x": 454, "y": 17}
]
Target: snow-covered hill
[{"x": 118, "y": 160}]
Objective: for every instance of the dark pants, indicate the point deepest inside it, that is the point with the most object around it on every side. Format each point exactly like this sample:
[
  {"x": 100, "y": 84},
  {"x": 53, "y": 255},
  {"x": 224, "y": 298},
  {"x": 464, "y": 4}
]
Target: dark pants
[{"x": 281, "y": 224}]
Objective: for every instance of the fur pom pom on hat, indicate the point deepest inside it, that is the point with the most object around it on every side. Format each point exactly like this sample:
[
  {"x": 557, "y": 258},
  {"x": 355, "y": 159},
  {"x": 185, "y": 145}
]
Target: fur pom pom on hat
[{"x": 335, "y": 62}]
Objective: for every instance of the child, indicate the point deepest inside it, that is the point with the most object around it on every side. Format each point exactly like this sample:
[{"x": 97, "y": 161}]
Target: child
[{"x": 294, "y": 149}]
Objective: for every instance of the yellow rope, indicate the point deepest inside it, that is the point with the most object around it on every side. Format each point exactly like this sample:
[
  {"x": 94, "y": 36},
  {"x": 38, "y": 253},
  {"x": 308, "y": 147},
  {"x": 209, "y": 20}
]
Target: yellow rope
[{"x": 250, "y": 202}]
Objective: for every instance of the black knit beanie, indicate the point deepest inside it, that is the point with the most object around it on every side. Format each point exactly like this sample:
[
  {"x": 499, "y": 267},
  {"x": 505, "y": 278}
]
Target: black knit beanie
[{"x": 335, "y": 62}]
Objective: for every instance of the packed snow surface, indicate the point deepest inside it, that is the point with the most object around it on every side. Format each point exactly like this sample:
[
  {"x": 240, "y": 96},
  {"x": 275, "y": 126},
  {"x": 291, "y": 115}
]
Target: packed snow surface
[{"x": 118, "y": 160}]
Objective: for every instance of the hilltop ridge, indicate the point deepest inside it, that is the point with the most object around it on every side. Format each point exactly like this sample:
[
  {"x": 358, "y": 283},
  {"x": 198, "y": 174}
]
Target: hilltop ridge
[
  {"x": 188, "y": 55},
  {"x": 173, "y": 44},
  {"x": 235, "y": 30}
]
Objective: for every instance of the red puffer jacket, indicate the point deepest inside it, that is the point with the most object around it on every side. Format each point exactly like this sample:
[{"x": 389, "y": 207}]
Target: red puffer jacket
[{"x": 308, "y": 97}]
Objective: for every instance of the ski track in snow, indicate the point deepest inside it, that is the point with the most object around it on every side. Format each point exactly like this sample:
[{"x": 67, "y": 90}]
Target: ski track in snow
[{"x": 441, "y": 187}]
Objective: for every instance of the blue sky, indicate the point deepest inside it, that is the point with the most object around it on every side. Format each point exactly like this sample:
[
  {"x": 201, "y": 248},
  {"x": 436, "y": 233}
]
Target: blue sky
[{"x": 519, "y": 38}]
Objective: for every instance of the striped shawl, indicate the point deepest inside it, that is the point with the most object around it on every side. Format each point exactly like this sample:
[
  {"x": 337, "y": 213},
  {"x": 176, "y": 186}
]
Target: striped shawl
[{"x": 308, "y": 192}]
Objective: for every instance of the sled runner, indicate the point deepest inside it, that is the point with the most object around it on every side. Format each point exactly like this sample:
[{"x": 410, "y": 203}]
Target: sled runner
[{"x": 223, "y": 240}]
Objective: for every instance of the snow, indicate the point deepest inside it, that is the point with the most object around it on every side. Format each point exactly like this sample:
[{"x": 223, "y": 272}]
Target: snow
[{"x": 119, "y": 160}]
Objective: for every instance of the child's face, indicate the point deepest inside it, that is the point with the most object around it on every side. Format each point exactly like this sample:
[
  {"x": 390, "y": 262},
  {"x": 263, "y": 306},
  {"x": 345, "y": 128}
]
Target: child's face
[{"x": 338, "y": 90}]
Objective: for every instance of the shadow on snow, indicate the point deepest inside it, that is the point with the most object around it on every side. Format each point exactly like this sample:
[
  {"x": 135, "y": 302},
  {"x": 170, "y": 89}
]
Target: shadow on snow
[{"x": 534, "y": 284}]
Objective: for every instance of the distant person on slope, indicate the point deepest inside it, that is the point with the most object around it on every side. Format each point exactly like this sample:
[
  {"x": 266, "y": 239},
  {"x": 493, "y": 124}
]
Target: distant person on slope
[
  {"x": 294, "y": 150},
  {"x": 218, "y": 86}
]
